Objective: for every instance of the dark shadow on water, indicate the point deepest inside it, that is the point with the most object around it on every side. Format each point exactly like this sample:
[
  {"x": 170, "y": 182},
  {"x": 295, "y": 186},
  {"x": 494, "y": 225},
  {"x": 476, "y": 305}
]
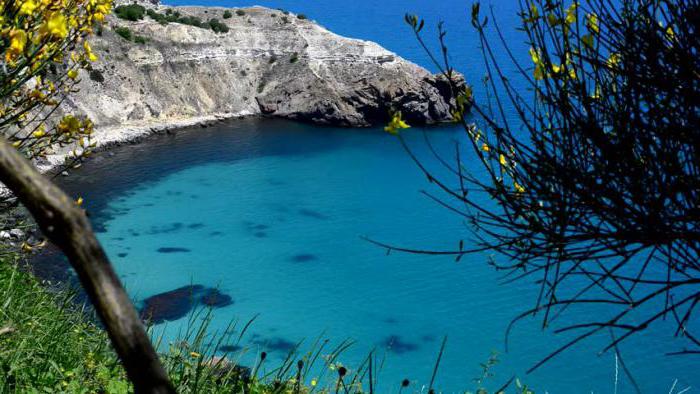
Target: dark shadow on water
[
  {"x": 173, "y": 250},
  {"x": 280, "y": 345},
  {"x": 230, "y": 348},
  {"x": 397, "y": 345},
  {"x": 304, "y": 258},
  {"x": 165, "y": 229},
  {"x": 309, "y": 213},
  {"x": 144, "y": 163}
]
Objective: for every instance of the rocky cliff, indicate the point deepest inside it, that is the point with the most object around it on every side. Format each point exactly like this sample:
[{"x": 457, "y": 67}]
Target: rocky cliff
[{"x": 268, "y": 62}]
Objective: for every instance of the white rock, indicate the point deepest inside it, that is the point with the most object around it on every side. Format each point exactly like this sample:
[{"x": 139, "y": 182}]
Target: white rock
[{"x": 17, "y": 233}]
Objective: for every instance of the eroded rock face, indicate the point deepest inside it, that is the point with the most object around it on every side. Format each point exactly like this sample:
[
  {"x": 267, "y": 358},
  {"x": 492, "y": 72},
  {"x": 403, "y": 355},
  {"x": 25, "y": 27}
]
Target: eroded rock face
[{"x": 267, "y": 63}]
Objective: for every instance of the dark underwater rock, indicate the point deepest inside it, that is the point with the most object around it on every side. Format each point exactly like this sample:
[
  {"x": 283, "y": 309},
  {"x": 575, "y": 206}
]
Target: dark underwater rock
[
  {"x": 171, "y": 305},
  {"x": 173, "y": 250},
  {"x": 397, "y": 345},
  {"x": 216, "y": 299},
  {"x": 304, "y": 258},
  {"x": 176, "y": 304}
]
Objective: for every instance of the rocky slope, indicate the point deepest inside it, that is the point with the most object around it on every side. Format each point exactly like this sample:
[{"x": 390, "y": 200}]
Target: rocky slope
[{"x": 268, "y": 63}]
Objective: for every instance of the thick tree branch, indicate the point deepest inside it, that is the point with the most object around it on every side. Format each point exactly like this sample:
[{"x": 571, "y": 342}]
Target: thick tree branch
[{"x": 66, "y": 225}]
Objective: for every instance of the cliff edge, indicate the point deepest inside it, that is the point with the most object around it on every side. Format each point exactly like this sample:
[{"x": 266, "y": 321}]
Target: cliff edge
[{"x": 268, "y": 62}]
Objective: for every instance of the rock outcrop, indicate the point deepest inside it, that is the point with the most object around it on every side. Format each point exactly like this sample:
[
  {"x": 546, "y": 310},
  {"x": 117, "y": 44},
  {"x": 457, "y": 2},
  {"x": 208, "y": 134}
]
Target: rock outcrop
[{"x": 269, "y": 62}]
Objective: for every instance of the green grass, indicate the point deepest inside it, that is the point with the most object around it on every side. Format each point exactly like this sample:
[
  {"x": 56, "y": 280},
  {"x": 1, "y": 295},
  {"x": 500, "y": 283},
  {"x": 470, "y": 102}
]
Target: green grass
[{"x": 49, "y": 345}]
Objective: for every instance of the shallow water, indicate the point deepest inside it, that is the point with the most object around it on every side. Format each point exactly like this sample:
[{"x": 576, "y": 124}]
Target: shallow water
[{"x": 271, "y": 213}]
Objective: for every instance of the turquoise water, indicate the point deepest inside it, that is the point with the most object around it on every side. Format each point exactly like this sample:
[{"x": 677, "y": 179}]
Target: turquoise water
[{"x": 271, "y": 214}]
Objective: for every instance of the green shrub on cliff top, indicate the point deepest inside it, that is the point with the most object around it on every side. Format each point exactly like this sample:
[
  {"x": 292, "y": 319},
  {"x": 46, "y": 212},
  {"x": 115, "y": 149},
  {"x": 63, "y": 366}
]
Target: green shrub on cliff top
[
  {"x": 124, "y": 32},
  {"x": 227, "y": 14},
  {"x": 131, "y": 12},
  {"x": 217, "y": 26}
]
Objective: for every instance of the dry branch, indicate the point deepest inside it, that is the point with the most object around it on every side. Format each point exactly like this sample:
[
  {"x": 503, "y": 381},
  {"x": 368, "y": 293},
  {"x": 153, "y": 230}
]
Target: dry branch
[{"x": 66, "y": 225}]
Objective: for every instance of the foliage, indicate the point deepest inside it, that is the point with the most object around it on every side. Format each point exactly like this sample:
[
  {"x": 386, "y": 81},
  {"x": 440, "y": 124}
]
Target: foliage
[
  {"x": 48, "y": 345},
  {"x": 597, "y": 183},
  {"x": 96, "y": 76},
  {"x": 140, "y": 40},
  {"x": 240, "y": 12},
  {"x": 217, "y": 26},
  {"x": 43, "y": 47},
  {"x": 135, "y": 12},
  {"x": 301, "y": 16},
  {"x": 162, "y": 18},
  {"x": 227, "y": 14},
  {"x": 190, "y": 20},
  {"x": 130, "y": 12},
  {"x": 124, "y": 32}
]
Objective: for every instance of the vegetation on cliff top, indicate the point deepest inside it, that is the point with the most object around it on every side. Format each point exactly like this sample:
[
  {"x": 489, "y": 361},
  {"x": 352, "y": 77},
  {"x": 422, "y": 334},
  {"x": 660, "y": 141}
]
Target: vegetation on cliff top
[{"x": 136, "y": 12}]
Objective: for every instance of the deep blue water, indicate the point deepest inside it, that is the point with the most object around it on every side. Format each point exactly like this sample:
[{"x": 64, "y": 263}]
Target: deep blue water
[{"x": 271, "y": 213}]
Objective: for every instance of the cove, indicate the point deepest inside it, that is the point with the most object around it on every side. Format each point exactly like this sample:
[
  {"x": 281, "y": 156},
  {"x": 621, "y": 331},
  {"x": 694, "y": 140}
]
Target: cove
[{"x": 265, "y": 217}]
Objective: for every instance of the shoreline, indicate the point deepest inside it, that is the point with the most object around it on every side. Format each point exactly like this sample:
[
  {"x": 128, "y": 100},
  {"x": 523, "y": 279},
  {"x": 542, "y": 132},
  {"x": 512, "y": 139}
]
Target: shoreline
[{"x": 113, "y": 136}]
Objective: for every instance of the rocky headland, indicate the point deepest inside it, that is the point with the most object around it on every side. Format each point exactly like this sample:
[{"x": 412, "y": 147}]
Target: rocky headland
[{"x": 268, "y": 62}]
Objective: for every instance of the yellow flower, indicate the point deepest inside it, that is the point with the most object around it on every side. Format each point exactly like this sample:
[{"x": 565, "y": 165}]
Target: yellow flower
[
  {"x": 556, "y": 68},
  {"x": 614, "y": 59},
  {"x": 89, "y": 53},
  {"x": 571, "y": 14},
  {"x": 69, "y": 124},
  {"x": 670, "y": 34},
  {"x": 485, "y": 147},
  {"x": 55, "y": 25},
  {"x": 592, "y": 23},
  {"x": 518, "y": 187},
  {"x": 18, "y": 40},
  {"x": 79, "y": 201},
  {"x": 73, "y": 74},
  {"x": 195, "y": 355},
  {"x": 28, "y": 7},
  {"x": 502, "y": 160},
  {"x": 396, "y": 124},
  {"x": 534, "y": 11},
  {"x": 535, "y": 56},
  {"x": 314, "y": 382}
]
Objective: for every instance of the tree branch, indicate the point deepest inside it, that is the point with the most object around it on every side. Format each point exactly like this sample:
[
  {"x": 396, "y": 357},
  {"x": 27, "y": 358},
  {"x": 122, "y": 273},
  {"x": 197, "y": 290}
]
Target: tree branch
[{"x": 66, "y": 225}]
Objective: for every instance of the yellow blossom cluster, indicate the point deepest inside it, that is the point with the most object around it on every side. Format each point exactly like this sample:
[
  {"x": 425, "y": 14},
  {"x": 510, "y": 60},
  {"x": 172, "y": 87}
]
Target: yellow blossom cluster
[
  {"x": 396, "y": 124},
  {"x": 44, "y": 45}
]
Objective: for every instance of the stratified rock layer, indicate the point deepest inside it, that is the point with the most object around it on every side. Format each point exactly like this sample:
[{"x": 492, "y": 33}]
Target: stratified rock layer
[{"x": 268, "y": 63}]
